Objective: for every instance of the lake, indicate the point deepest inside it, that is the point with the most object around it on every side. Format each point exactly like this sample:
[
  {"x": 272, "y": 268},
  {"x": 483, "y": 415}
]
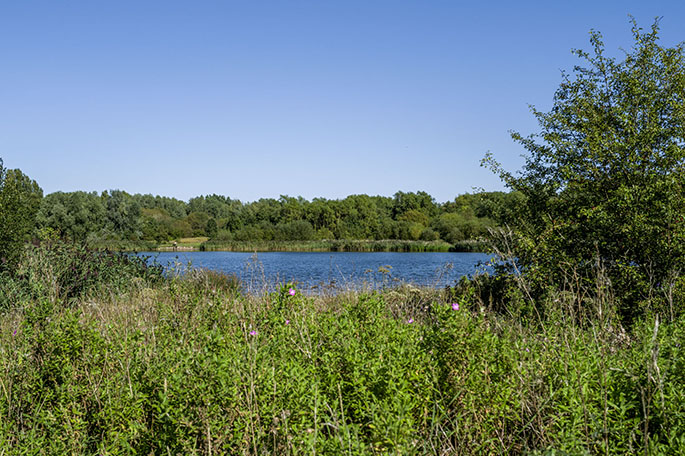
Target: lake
[{"x": 331, "y": 269}]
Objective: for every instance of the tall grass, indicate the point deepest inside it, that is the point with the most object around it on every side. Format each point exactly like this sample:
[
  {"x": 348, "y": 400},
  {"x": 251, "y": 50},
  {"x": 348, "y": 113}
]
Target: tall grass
[{"x": 192, "y": 365}]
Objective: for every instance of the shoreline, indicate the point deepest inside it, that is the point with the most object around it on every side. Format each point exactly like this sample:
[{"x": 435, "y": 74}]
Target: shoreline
[{"x": 338, "y": 245}]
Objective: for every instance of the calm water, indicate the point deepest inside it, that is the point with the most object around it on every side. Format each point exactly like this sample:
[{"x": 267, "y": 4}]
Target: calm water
[{"x": 322, "y": 269}]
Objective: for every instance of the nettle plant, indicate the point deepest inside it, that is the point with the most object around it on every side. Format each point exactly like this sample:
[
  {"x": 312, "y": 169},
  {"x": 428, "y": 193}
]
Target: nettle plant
[{"x": 604, "y": 178}]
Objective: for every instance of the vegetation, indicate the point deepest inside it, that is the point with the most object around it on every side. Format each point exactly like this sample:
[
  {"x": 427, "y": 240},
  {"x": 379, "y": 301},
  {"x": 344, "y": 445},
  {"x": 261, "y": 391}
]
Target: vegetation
[
  {"x": 333, "y": 246},
  {"x": 134, "y": 363},
  {"x": 55, "y": 272},
  {"x": 604, "y": 181},
  {"x": 118, "y": 220},
  {"x": 574, "y": 346},
  {"x": 19, "y": 201}
]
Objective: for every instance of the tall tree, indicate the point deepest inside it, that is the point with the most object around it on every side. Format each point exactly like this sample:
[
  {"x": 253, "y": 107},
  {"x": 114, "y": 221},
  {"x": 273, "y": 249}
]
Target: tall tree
[
  {"x": 19, "y": 202},
  {"x": 605, "y": 176}
]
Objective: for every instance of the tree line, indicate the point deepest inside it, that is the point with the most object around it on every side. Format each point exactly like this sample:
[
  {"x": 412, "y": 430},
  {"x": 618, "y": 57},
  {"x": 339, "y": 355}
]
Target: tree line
[{"x": 119, "y": 216}]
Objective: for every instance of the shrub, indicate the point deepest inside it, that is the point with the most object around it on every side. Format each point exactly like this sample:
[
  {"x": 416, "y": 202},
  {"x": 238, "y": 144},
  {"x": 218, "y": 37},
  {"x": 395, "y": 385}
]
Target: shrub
[{"x": 59, "y": 271}]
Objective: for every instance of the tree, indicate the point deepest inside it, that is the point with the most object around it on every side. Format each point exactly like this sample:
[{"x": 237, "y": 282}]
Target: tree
[
  {"x": 603, "y": 181},
  {"x": 123, "y": 213},
  {"x": 74, "y": 215},
  {"x": 19, "y": 202},
  {"x": 211, "y": 228},
  {"x": 421, "y": 201}
]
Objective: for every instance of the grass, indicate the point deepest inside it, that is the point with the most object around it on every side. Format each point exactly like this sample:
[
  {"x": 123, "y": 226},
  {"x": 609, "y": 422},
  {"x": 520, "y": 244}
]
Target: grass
[
  {"x": 184, "y": 243},
  {"x": 194, "y": 365}
]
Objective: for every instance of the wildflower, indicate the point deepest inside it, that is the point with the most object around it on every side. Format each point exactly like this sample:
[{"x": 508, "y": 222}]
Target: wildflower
[
  {"x": 291, "y": 292},
  {"x": 14, "y": 333},
  {"x": 410, "y": 321},
  {"x": 287, "y": 322},
  {"x": 455, "y": 306},
  {"x": 253, "y": 333}
]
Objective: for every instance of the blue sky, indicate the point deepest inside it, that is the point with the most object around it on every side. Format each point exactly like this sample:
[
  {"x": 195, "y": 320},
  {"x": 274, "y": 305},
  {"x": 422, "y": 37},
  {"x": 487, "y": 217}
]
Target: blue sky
[{"x": 257, "y": 99}]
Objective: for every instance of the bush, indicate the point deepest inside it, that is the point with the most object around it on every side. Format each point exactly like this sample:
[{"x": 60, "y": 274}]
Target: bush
[{"x": 62, "y": 272}]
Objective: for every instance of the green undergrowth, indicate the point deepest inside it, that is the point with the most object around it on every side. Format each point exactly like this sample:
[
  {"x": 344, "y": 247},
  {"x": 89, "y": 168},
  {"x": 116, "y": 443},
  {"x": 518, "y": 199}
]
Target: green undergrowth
[
  {"x": 192, "y": 365},
  {"x": 66, "y": 273}
]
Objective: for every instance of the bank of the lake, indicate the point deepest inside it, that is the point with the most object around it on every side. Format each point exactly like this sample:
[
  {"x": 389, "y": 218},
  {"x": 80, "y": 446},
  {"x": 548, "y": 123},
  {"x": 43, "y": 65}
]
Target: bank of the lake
[
  {"x": 326, "y": 245},
  {"x": 334, "y": 245}
]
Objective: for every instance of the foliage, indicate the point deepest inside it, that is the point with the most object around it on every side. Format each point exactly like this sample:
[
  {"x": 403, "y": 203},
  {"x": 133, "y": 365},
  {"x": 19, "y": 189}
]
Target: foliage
[
  {"x": 604, "y": 178},
  {"x": 60, "y": 273},
  {"x": 115, "y": 217},
  {"x": 19, "y": 201},
  {"x": 190, "y": 365}
]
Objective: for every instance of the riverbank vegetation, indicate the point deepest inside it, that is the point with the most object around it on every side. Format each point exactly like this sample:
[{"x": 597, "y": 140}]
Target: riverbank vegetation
[
  {"x": 120, "y": 221},
  {"x": 574, "y": 345},
  {"x": 340, "y": 245}
]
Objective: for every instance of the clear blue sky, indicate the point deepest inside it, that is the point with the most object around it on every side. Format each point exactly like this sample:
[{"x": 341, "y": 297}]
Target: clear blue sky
[{"x": 256, "y": 99}]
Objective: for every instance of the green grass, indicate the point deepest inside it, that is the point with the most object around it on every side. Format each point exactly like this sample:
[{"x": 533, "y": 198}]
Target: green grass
[
  {"x": 184, "y": 243},
  {"x": 194, "y": 365}
]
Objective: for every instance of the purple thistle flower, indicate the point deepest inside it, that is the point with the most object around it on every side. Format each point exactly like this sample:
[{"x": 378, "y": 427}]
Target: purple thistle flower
[
  {"x": 455, "y": 306},
  {"x": 291, "y": 292}
]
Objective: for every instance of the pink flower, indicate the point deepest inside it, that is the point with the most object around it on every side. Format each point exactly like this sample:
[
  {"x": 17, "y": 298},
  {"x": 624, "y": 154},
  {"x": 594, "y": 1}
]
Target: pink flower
[
  {"x": 291, "y": 292},
  {"x": 253, "y": 333},
  {"x": 455, "y": 306},
  {"x": 287, "y": 322},
  {"x": 410, "y": 321}
]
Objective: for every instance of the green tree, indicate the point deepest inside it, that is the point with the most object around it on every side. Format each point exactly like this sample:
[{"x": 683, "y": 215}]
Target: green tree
[
  {"x": 211, "y": 228},
  {"x": 420, "y": 201},
  {"x": 297, "y": 230},
  {"x": 604, "y": 176},
  {"x": 122, "y": 214},
  {"x": 454, "y": 227},
  {"x": 198, "y": 222},
  {"x": 19, "y": 202},
  {"x": 73, "y": 215}
]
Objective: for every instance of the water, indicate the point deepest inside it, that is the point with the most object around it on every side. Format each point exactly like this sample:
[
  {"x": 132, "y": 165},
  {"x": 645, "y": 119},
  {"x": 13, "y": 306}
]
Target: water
[{"x": 332, "y": 269}]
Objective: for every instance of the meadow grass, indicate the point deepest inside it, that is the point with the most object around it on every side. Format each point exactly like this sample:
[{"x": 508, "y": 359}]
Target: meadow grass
[{"x": 194, "y": 364}]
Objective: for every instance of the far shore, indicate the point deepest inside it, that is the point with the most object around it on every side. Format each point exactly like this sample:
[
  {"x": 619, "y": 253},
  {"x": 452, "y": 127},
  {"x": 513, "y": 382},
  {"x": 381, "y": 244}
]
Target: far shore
[{"x": 327, "y": 245}]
